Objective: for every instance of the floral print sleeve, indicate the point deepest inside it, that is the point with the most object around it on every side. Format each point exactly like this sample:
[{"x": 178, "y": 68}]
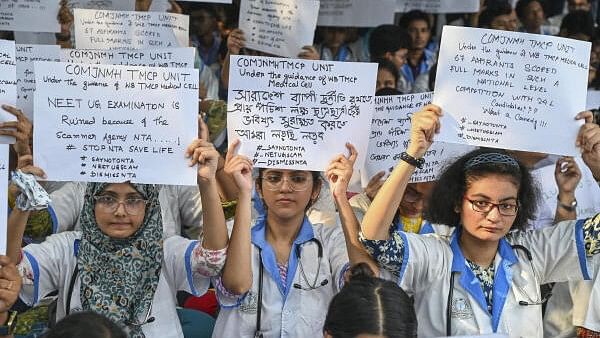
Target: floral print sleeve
[
  {"x": 208, "y": 263},
  {"x": 388, "y": 253},
  {"x": 591, "y": 235}
]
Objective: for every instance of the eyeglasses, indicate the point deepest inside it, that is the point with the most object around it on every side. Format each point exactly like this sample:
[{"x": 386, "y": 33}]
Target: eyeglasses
[
  {"x": 133, "y": 206},
  {"x": 505, "y": 209},
  {"x": 296, "y": 182}
]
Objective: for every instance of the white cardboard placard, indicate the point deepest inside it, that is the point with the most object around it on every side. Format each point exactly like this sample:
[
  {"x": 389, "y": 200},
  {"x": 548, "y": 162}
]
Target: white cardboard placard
[
  {"x": 438, "y": 6},
  {"x": 511, "y": 90},
  {"x": 180, "y": 57},
  {"x": 356, "y": 13},
  {"x": 298, "y": 114},
  {"x": 29, "y": 16},
  {"x": 115, "y": 123}
]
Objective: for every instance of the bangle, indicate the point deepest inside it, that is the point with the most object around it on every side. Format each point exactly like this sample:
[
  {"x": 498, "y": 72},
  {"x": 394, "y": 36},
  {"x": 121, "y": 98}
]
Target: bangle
[{"x": 411, "y": 160}]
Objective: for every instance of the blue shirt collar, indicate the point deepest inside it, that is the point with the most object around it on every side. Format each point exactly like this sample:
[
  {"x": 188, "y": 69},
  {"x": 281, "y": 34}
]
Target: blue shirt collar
[
  {"x": 458, "y": 261},
  {"x": 259, "y": 239}
]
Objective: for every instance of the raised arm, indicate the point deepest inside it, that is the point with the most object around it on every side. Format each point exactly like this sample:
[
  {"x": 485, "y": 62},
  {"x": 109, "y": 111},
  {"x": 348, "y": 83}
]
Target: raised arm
[
  {"x": 338, "y": 174},
  {"x": 214, "y": 229},
  {"x": 235, "y": 42},
  {"x": 567, "y": 176},
  {"x": 424, "y": 125},
  {"x": 237, "y": 274}
]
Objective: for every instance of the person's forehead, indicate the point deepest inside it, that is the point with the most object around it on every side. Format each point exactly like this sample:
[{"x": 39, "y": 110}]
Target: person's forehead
[{"x": 286, "y": 171}]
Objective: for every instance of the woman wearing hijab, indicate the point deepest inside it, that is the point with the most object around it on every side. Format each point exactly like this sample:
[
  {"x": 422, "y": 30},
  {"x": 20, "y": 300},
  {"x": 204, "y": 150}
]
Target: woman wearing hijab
[{"x": 119, "y": 265}]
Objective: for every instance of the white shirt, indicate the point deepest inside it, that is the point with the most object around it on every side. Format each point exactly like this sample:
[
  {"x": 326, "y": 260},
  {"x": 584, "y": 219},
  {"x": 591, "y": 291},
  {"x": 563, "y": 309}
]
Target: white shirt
[
  {"x": 52, "y": 263},
  {"x": 291, "y": 312},
  {"x": 568, "y": 306},
  {"x": 180, "y": 206},
  {"x": 428, "y": 261}
]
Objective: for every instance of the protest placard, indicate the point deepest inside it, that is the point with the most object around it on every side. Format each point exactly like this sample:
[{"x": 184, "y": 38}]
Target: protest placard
[
  {"x": 102, "y": 29},
  {"x": 104, "y": 123},
  {"x": 26, "y": 55},
  {"x": 3, "y": 197},
  {"x": 29, "y": 16},
  {"x": 115, "y": 5},
  {"x": 438, "y": 6},
  {"x": 164, "y": 5},
  {"x": 280, "y": 27},
  {"x": 35, "y": 38},
  {"x": 181, "y": 57},
  {"x": 8, "y": 83},
  {"x": 356, "y": 13},
  {"x": 390, "y": 135},
  {"x": 511, "y": 90},
  {"x": 298, "y": 114}
]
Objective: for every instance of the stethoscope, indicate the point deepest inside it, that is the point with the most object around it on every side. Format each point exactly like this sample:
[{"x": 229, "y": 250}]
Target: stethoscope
[
  {"x": 309, "y": 286},
  {"x": 527, "y": 302}
]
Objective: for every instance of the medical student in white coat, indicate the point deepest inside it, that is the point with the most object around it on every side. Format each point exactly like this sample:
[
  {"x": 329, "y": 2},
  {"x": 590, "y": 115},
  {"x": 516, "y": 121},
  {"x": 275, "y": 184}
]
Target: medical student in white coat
[
  {"x": 283, "y": 271},
  {"x": 483, "y": 280}
]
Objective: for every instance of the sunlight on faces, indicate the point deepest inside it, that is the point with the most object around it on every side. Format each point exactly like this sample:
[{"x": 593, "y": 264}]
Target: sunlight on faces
[
  {"x": 119, "y": 224},
  {"x": 287, "y": 193},
  {"x": 492, "y": 225}
]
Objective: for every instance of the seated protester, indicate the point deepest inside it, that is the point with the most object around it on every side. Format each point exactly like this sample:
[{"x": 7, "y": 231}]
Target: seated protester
[
  {"x": 391, "y": 43},
  {"x": 85, "y": 324},
  {"x": 333, "y": 45},
  {"x": 204, "y": 35},
  {"x": 578, "y": 25},
  {"x": 10, "y": 285},
  {"x": 483, "y": 279},
  {"x": 282, "y": 272},
  {"x": 387, "y": 75},
  {"x": 371, "y": 306},
  {"x": 531, "y": 15},
  {"x": 181, "y": 208},
  {"x": 420, "y": 59},
  {"x": 499, "y": 15},
  {"x": 119, "y": 265}
]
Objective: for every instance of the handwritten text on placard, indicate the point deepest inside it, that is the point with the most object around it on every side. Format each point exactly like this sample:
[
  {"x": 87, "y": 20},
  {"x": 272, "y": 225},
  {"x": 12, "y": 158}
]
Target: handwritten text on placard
[
  {"x": 8, "y": 83},
  {"x": 279, "y": 27},
  {"x": 26, "y": 56},
  {"x": 390, "y": 135},
  {"x": 3, "y": 197},
  {"x": 438, "y": 6},
  {"x": 298, "y": 114},
  {"x": 102, "y": 29},
  {"x": 356, "y": 13},
  {"x": 29, "y": 16},
  {"x": 115, "y": 123},
  {"x": 182, "y": 57},
  {"x": 511, "y": 90}
]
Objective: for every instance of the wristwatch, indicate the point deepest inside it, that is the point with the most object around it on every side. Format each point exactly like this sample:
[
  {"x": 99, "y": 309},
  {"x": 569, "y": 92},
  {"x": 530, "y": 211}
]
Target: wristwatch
[
  {"x": 569, "y": 207},
  {"x": 404, "y": 156},
  {"x": 9, "y": 327}
]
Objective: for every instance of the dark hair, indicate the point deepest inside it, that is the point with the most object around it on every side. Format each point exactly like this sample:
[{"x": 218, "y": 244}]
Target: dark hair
[
  {"x": 493, "y": 10},
  {"x": 189, "y": 8},
  {"x": 577, "y": 22},
  {"x": 370, "y": 305},
  {"x": 522, "y": 5},
  {"x": 387, "y": 38},
  {"x": 432, "y": 76},
  {"x": 317, "y": 182},
  {"x": 450, "y": 189},
  {"x": 385, "y": 64},
  {"x": 413, "y": 15},
  {"x": 85, "y": 324}
]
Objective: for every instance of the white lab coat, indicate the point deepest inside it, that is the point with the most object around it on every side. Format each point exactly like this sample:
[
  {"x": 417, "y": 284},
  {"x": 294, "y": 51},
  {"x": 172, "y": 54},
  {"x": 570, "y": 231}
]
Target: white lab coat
[
  {"x": 568, "y": 306},
  {"x": 296, "y": 313},
  {"x": 557, "y": 255},
  {"x": 54, "y": 261}
]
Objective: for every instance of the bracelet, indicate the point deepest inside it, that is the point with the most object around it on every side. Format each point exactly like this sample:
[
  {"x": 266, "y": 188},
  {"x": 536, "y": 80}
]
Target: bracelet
[
  {"x": 411, "y": 160},
  {"x": 569, "y": 207}
]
